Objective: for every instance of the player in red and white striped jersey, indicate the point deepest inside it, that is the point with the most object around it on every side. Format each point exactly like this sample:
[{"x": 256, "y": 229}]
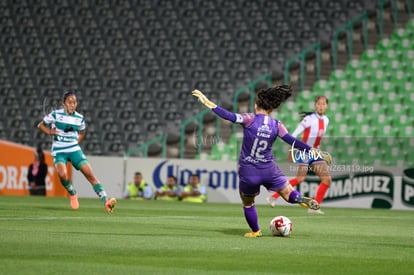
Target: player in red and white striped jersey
[{"x": 313, "y": 126}]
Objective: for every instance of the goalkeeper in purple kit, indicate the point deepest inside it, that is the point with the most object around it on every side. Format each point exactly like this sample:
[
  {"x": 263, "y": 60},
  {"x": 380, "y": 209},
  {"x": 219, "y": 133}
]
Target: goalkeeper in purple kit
[{"x": 256, "y": 163}]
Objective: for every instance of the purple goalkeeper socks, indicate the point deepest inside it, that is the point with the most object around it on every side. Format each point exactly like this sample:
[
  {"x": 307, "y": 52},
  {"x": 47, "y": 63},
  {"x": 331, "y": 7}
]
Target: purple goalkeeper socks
[
  {"x": 251, "y": 217},
  {"x": 294, "y": 195}
]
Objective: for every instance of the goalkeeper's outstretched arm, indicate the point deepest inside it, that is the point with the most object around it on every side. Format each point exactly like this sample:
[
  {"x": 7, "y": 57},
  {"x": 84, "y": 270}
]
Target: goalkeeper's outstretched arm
[
  {"x": 288, "y": 138},
  {"x": 221, "y": 112},
  {"x": 298, "y": 144}
]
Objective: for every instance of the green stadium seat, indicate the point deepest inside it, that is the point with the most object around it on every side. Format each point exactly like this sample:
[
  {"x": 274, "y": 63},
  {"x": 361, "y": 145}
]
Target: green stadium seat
[
  {"x": 296, "y": 118},
  {"x": 392, "y": 151},
  {"x": 399, "y": 76},
  {"x": 355, "y": 64},
  {"x": 369, "y": 97},
  {"x": 378, "y": 75},
  {"x": 392, "y": 64},
  {"x": 202, "y": 156},
  {"x": 336, "y": 109},
  {"x": 343, "y": 86},
  {"x": 371, "y": 54},
  {"x": 393, "y": 54},
  {"x": 385, "y": 44},
  {"x": 374, "y": 64},
  {"x": 339, "y": 117},
  {"x": 377, "y": 109},
  {"x": 365, "y": 151},
  {"x": 386, "y": 130},
  {"x": 406, "y": 90},
  {"x": 288, "y": 106},
  {"x": 321, "y": 86},
  {"x": 408, "y": 55},
  {"x": 306, "y": 95},
  {"x": 401, "y": 109},
  {"x": 407, "y": 130},
  {"x": 385, "y": 88},
  {"x": 405, "y": 43},
  {"x": 365, "y": 86},
  {"x": 330, "y": 95},
  {"x": 309, "y": 106},
  {"x": 338, "y": 75},
  {"x": 358, "y": 121},
  {"x": 409, "y": 66},
  {"x": 299, "y": 106},
  {"x": 392, "y": 97},
  {"x": 410, "y": 26},
  {"x": 363, "y": 130},
  {"x": 411, "y": 142},
  {"x": 289, "y": 122},
  {"x": 335, "y": 130},
  {"x": 351, "y": 151},
  {"x": 348, "y": 96},
  {"x": 216, "y": 150},
  {"x": 383, "y": 119},
  {"x": 345, "y": 130},
  {"x": 401, "y": 33},
  {"x": 369, "y": 104},
  {"x": 362, "y": 119}
]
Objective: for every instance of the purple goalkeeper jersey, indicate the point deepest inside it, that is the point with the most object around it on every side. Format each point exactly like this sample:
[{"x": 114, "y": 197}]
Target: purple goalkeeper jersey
[
  {"x": 256, "y": 163},
  {"x": 260, "y": 132}
]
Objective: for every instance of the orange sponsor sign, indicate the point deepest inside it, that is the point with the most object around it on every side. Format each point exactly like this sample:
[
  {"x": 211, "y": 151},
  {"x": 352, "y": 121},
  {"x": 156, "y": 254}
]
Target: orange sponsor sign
[{"x": 14, "y": 164}]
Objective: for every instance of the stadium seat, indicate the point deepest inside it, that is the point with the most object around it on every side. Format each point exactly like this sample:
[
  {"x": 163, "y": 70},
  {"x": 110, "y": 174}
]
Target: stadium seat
[{"x": 147, "y": 50}]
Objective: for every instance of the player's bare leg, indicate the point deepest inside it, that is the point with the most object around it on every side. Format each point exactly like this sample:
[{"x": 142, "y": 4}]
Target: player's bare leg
[
  {"x": 109, "y": 203},
  {"x": 300, "y": 176},
  {"x": 291, "y": 195},
  {"x": 321, "y": 169},
  {"x": 64, "y": 179}
]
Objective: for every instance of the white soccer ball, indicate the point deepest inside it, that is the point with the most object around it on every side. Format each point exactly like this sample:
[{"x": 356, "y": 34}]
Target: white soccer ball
[{"x": 281, "y": 226}]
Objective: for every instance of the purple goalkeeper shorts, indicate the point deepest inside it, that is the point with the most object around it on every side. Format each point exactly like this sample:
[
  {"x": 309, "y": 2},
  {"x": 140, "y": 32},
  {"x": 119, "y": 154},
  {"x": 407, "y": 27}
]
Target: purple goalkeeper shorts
[{"x": 251, "y": 178}]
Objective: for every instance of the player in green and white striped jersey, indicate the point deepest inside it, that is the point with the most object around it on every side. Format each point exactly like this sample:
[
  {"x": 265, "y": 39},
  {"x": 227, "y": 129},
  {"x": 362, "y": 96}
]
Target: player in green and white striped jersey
[{"x": 67, "y": 127}]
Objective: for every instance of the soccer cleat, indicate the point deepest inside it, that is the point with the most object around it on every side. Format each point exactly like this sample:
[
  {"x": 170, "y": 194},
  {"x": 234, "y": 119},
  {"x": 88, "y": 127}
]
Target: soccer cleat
[
  {"x": 252, "y": 234},
  {"x": 308, "y": 203},
  {"x": 110, "y": 204},
  {"x": 311, "y": 211},
  {"x": 271, "y": 201},
  {"x": 74, "y": 203}
]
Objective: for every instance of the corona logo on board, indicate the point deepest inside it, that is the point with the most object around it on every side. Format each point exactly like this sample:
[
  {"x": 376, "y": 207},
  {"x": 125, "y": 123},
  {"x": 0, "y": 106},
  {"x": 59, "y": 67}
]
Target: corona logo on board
[{"x": 216, "y": 179}]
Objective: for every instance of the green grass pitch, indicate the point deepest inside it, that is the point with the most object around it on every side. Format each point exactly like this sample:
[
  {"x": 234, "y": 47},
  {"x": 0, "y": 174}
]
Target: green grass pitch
[{"x": 44, "y": 236}]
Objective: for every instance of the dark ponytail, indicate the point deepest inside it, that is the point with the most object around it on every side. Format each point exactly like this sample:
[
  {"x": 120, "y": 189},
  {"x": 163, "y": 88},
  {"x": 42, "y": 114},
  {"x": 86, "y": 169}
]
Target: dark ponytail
[
  {"x": 272, "y": 97},
  {"x": 305, "y": 114}
]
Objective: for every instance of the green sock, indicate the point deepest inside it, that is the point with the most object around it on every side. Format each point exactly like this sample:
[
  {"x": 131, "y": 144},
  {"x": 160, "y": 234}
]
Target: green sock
[
  {"x": 99, "y": 190},
  {"x": 68, "y": 186}
]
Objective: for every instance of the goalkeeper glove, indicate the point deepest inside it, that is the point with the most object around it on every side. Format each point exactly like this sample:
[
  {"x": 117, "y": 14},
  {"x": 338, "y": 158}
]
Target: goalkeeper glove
[
  {"x": 321, "y": 154},
  {"x": 203, "y": 99}
]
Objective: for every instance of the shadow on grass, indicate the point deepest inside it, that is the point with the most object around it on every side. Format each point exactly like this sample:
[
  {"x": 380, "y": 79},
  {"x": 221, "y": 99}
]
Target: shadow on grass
[
  {"x": 241, "y": 232},
  {"x": 237, "y": 232},
  {"x": 55, "y": 208},
  {"x": 232, "y": 231}
]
